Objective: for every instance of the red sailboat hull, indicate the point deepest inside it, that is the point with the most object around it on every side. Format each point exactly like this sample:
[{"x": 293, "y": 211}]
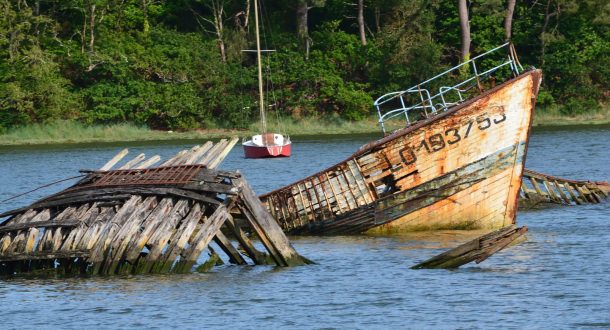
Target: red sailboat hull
[{"x": 254, "y": 151}]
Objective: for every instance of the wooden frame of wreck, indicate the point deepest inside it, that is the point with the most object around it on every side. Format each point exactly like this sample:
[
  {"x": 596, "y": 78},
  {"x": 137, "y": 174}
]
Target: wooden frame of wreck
[{"x": 138, "y": 219}]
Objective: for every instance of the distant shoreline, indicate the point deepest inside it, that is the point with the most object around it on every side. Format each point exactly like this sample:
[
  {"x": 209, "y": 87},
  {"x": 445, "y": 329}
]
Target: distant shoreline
[{"x": 67, "y": 132}]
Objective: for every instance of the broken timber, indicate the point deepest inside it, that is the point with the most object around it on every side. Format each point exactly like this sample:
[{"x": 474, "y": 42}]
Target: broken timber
[
  {"x": 539, "y": 189},
  {"x": 138, "y": 219},
  {"x": 478, "y": 249}
]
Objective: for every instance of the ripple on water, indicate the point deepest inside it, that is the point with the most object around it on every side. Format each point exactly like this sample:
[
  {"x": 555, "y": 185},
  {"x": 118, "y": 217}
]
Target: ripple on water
[{"x": 557, "y": 278}]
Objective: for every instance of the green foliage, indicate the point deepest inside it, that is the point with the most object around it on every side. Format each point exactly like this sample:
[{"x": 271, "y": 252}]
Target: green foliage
[{"x": 157, "y": 63}]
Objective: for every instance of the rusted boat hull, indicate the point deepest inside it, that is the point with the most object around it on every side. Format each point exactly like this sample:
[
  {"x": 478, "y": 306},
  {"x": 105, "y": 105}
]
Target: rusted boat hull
[{"x": 460, "y": 169}]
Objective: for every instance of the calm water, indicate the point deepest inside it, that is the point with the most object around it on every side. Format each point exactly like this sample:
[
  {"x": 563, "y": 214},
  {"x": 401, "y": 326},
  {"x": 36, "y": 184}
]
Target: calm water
[{"x": 558, "y": 278}]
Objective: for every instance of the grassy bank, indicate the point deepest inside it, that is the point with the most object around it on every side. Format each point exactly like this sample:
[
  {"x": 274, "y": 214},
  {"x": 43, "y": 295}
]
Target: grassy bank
[
  {"x": 63, "y": 132},
  {"x": 553, "y": 116}
]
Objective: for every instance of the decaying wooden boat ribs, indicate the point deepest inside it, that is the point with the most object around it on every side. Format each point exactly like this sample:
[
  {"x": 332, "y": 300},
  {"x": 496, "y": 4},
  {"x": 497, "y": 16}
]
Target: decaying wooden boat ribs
[
  {"x": 539, "y": 190},
  {"x": 140, "y": 220}
]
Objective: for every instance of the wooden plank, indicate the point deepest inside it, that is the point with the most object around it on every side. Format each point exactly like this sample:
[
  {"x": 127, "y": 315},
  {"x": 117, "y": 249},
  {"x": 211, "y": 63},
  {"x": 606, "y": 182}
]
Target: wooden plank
[
  {"x": 179, "y": 240},
  {"x": 357, "y": 174},
  {"x": 24, "y": 238},
  {"x": 272, "y": 232},
  {"x": 571, "y": 192},
  {"x": 40, "y": 224},
  {"x": 258, "y": 257},
  {"x": 537, "y": 187},
  {"x": 229, "y": 249},
  {"x": 8, "y": 238},
  {"x": 95, "y": 229},
  {"x": 173, "y": 160},
  {"x": 77, "y": 233},
  {"x": 128, "y": 229},
  {"x": 349, "y": 186},
  {"x": 161, "y": 236},
  {"x": 114, "y": 160},
  {"x": 100, "y": 248},
  {"x": 332, "y": 188},
  {"x": 221, "y": 156},
  {"x": 561, "y": 192},
  {"x": 328, "y": 204},
  {"x": 192, "y": 158},
  {"x": 318, "y": 191},
  {"x": 277, "y": 259},
  {"x": 209, "y": 229},
  {"x": 524, "y": 191},
  {"x": 501, "y": 244},
  {"x": 584, "y": 195},
  {"x": 132, "y": 162},
  {"x": 551, "y": 192},
  {"x": 152, "y": 222},
  {"x": 594, "y": 198},
  {"x": 213, "y": 152},
  {"x": 478, "y": 249},
  {"x": 46, "y": 241},
  {"x": 41, "y": 255}
]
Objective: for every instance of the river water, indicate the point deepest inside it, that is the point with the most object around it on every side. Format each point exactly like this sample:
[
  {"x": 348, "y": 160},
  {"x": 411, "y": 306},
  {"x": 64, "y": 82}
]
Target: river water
[{"x": 557, "y": 278}]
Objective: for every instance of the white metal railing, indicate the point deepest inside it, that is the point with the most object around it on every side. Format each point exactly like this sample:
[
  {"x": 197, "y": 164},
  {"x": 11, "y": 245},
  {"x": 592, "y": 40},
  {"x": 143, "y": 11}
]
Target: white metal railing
[{"x": 432, "y": 104}]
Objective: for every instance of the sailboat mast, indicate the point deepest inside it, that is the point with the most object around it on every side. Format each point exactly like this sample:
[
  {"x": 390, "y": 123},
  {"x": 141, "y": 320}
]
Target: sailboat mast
[{"x": 260, "y": 71}]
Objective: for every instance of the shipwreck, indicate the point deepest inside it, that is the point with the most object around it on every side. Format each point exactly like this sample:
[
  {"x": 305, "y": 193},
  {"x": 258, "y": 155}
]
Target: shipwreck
[
  {"x": 140, "y": 219},
  {"x": 456, "y": 163}
]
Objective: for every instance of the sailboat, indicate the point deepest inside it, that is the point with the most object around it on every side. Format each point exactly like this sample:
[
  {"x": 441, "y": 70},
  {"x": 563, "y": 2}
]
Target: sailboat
[{"x": 265, "y": 144}]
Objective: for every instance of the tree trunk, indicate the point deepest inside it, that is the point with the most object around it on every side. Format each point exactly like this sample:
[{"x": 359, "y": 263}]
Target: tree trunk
[
  {"x": 302, "y": 32},
  {"x": 92, "y": 28},
  {"x": 465, "y": 26},
  {"x": 547, "y": 17},
  {"x": 508, "y": 21},
  {"x": 361, "y": 21},
  {"x": 146, "y": 26}
]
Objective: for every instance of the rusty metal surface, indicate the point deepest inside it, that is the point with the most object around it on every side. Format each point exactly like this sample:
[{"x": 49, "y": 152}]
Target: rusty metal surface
[{"x": 334, "y": 200}]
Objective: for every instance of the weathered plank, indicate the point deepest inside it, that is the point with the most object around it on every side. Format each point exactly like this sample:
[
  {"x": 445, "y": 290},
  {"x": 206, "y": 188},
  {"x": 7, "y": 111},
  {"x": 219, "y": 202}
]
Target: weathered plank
[
  {"x": 229, "y": 249},
  {"x": 114, "y": 160},
  {"x": 161, "y": 236},
  {"x": 210, "y": 227},
  {"x": 478, "y": 249},
  {"x": 39, "y": 255},
  {"x": 272, "y": 232},
  {"x": 179, "y": 240}
]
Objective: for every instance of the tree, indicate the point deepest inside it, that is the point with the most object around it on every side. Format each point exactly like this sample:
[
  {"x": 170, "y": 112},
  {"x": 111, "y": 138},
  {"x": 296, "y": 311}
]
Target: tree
[
  {"x": 361, "y": 21},
  {"x": 508, "y": 21},
  {"x": 217, "y": 7},
  {"x": 465, "y": 28}
]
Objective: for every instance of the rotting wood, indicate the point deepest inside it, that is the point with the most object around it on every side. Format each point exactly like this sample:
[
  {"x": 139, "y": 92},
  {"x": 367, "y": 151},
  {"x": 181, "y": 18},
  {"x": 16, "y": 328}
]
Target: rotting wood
[
  {"x": 269, "y": 229},
  {"x": 560, "y": 191},
  {"x": 142, "y": 220},
  {"x": 478, "y": 249}
]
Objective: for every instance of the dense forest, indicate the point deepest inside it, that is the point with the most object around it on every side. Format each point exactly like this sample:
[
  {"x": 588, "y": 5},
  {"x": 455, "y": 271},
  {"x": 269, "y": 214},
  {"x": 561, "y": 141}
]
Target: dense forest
[{"x": 179, "y": 64}]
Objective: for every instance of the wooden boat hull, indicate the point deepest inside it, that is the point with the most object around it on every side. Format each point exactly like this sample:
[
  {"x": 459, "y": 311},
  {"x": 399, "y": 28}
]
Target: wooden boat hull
[
  {"x": 460, "y": 169},
  {"x": 253, "y": 151}
]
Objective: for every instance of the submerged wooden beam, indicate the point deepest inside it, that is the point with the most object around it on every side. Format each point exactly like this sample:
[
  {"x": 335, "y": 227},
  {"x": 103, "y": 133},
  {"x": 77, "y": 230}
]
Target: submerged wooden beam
[{"x": 478, "y": 249}]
